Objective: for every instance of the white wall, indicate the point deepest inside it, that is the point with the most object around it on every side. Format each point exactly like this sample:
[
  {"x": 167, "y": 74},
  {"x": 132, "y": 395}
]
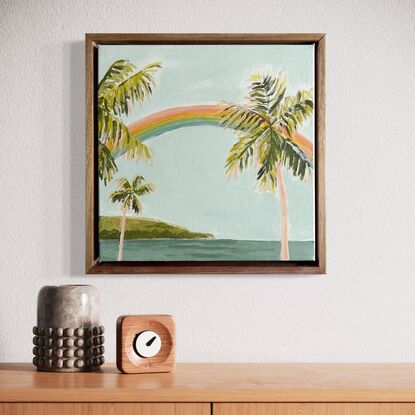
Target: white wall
[{"x": 363, "y": 310}]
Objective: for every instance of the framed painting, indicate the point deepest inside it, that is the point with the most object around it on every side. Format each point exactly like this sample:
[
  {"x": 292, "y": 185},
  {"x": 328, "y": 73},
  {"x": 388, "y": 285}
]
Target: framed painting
[{"x": 205, "y": 153}]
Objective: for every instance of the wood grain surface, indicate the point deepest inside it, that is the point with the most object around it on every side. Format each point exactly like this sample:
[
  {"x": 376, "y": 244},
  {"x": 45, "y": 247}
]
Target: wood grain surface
[
  {"x": 205, "y": 382},
  {"x": 314, "y": 409},
  {"x": 104, "y": 409}
]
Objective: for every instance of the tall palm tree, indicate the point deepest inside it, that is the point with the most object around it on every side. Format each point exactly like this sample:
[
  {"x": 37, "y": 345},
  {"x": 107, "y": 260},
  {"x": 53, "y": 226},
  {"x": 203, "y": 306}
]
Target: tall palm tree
[
  {"x": 265, "y": 126},
  {"x": 121, "y": 87},
  {"x": 127, "y": 195}
]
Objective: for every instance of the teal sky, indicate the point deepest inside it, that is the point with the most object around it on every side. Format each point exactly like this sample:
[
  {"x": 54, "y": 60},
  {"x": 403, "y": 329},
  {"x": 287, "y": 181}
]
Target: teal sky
[{"x": 187, "y": 167}]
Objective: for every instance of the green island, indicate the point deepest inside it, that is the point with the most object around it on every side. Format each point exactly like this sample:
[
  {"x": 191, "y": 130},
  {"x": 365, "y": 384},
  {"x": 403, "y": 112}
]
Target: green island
[{"x": 145, "y": 228}]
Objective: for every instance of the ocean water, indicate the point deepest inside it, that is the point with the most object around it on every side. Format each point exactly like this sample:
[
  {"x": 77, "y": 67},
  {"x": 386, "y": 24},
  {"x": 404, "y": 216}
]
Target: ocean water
[{"x": 203, "y": 250}]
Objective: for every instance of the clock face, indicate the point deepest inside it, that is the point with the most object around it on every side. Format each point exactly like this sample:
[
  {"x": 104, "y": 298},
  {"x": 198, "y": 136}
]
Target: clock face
[{"x": 147, "y": 343}]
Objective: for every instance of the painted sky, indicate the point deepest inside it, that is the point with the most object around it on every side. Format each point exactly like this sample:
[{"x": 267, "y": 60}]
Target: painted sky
[{"x": 187, "y": 167}]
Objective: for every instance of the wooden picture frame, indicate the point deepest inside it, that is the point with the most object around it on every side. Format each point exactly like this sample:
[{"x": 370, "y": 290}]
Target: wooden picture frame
[{"x": 92, "y": 262}]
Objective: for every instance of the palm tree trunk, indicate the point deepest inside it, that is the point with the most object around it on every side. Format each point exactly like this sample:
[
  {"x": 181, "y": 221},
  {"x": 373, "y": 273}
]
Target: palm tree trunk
[
  {"x": 284, "y": 253},
  {"x": 120, "y": 248}
]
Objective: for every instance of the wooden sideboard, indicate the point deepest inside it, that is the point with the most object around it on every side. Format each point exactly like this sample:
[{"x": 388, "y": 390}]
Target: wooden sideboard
[{"x": 218, "y": 389}]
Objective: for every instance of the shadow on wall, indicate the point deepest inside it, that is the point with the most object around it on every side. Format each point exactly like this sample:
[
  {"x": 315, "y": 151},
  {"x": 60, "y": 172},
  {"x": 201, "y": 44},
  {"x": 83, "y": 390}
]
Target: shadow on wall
[{"x": 74, "y": 148}]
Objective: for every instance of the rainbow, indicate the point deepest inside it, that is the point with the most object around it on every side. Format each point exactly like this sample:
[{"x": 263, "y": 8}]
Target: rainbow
[
  {"x": 172, "y": 118},
  {"x": 186, "y": 116}
]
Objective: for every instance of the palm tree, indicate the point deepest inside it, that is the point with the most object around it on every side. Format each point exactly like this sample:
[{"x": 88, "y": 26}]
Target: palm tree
[
  {"x": 265, "y": 126},
  {"x": 127, "y": 195},
  {"x": 118, "y": 90}
]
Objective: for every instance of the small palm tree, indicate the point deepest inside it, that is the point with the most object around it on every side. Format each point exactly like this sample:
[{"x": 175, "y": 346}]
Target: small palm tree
[
  {"x": 118, "y": 90},
  {"x": 127, "y": 195},
  {"x": 265, "y": 126}
]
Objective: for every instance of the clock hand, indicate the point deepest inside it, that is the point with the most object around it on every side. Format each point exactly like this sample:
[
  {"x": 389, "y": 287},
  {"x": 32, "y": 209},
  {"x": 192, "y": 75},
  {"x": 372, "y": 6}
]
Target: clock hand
[{"x": 150, "y": 342}]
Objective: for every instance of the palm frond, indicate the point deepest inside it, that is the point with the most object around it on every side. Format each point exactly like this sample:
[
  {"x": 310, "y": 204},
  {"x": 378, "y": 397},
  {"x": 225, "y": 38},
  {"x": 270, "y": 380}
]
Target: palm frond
[
  {"x": 267, "y": 182},
  {"x": 144, "y": 189},
  {"x": 136, "y": 149},
  {"x": 268, "y": 156},
  {"x": 111, "y": 128},
  {"x": 294, "y": 159},
  {"x": 134, "y": 88},
  {"x": 136, "y": 205},
  {"x": 116, "y": 73},
  {"x": 118, "y": 90},
  {"x": 115, "y": 134},
  {"x": 280, "y": 86},
  {"x": 241, "y": 118},
  {"x": 127, "y": 194},
  {"x": 265, "y": 128},
  {"x": 123, "y": 184},
  {"x": 266, "y": 92},
  {"x": 137, "y": 181},
  {"x": 275, "y": 149},
  {"x": 128, "y": 200},
  {"x": 118, "y": 196},
  {"x": 242, "y": 154},
  {"x": 295, "y": 110},
  {"x": 106, "y": 164}
]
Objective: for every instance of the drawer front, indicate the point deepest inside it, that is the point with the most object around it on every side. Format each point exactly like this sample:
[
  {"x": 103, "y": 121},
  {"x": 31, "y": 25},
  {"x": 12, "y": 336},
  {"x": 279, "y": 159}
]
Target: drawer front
[
  {"x": 314, "y": 409},
  {"x": 104, "y": 409}
]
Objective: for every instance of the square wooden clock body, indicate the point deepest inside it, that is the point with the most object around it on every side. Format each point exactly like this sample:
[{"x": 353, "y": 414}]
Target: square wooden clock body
[{"x": 128, "y": 327}]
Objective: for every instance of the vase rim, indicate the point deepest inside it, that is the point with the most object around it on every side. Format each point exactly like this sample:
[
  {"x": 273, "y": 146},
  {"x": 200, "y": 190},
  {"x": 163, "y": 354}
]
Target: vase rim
[
  {"x": 69, "y": 285},
  {"x": 74, "y": 285}
]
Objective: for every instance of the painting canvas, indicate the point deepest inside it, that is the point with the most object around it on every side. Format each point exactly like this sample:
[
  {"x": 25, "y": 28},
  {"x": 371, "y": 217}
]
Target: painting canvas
[{"x": 206, "y": 152}]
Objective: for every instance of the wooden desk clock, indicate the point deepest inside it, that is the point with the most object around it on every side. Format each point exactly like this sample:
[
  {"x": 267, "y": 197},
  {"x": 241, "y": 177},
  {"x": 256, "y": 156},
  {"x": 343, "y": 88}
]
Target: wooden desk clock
[{"x": 145, "y": 343}]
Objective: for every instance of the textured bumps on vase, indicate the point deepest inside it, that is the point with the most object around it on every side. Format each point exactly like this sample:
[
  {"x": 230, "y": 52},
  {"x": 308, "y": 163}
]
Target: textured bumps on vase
[
  {"x": 69, "y": 349},
  {"x": 68, "y": 337}
]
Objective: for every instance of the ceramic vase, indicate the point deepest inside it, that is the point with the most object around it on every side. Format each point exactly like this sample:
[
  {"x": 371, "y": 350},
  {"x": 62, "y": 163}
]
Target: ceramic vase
[{"x": 68, "y": 334}]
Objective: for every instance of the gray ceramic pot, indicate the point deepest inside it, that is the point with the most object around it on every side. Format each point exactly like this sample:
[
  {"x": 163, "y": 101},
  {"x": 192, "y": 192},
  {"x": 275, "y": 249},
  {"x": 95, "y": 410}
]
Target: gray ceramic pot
[{"x": 68, "y": 335}]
